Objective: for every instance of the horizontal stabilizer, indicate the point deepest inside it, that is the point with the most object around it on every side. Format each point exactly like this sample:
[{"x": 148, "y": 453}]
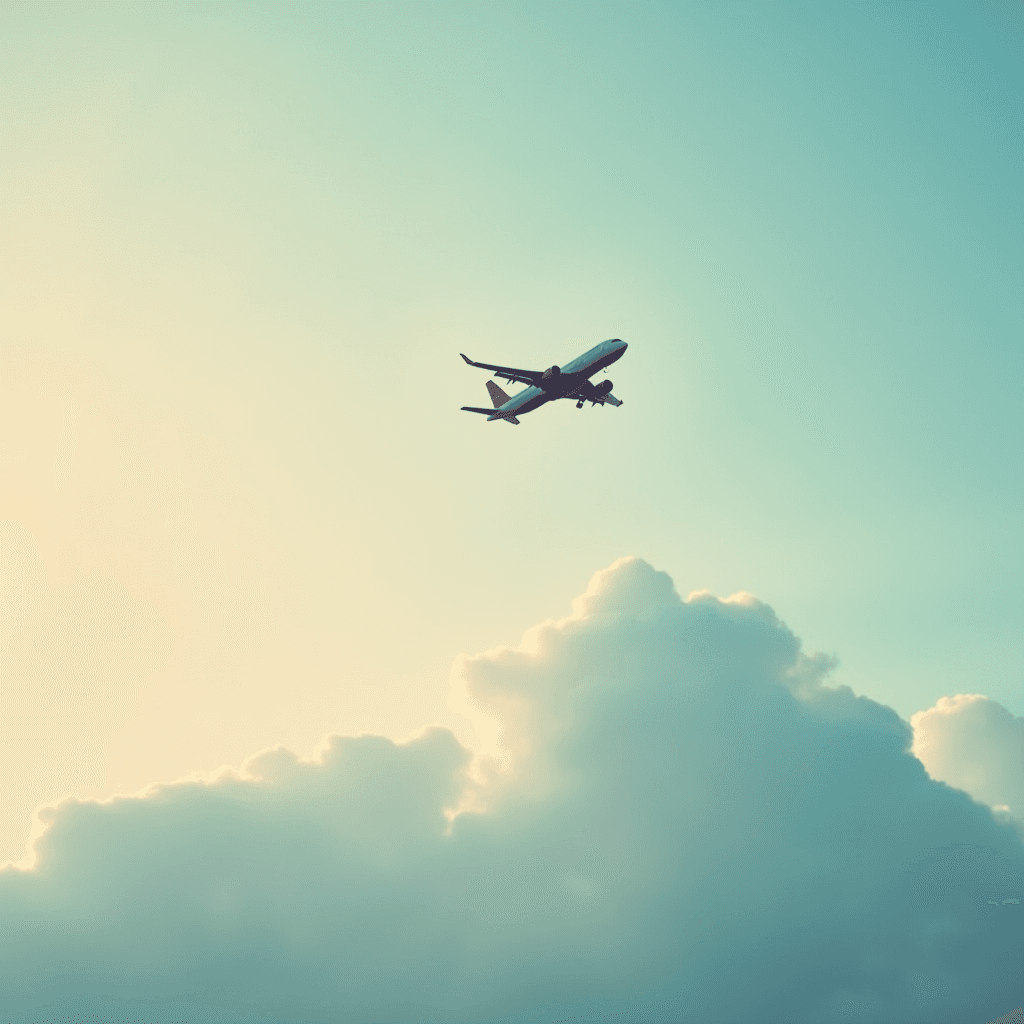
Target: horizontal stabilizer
[{"x": 491, "y": 414}]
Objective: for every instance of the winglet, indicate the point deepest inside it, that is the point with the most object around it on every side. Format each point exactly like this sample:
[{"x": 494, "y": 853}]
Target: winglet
[{"x": 468, "y": 360}]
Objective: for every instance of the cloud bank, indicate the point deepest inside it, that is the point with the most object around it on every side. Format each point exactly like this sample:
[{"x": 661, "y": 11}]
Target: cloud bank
[{"x": 683, "y": 822}]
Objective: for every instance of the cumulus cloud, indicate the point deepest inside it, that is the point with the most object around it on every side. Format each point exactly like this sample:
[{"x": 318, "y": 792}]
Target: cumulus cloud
[
  {"x": 683, "y": 821},
  {"x": 976, "y": 745}
]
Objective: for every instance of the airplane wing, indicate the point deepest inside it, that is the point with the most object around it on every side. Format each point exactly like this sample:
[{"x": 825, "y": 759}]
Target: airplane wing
[
  {"x": 509, "y": 373},
  {"x": 605, "y": 397}
]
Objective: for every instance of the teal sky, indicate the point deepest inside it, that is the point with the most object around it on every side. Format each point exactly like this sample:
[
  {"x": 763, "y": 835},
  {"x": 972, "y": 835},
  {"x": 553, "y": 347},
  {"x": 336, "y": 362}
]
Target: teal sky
[
  {"x": 243, "y": 521},
  {"x": 255, "y": 238}
]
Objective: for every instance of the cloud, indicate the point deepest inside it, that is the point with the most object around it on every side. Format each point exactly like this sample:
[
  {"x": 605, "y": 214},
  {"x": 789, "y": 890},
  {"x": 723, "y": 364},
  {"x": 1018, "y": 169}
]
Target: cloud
[
  {"x": 686, "y": 822},
  {"x": 976, "y": 745}
]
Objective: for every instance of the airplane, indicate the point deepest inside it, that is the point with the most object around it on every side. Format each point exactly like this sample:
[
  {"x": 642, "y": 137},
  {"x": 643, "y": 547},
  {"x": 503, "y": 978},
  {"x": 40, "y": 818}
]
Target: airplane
[{"x": 569, "y": 381}]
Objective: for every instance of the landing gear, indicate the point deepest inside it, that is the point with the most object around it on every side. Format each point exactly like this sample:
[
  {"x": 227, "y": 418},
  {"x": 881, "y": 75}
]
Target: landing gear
[{"x": 579, "y": 404}]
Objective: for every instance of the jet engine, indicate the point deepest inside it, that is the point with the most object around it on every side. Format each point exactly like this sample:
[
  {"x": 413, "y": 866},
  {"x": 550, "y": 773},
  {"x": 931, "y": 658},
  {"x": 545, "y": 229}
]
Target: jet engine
[{"x": 593, "y": 393}]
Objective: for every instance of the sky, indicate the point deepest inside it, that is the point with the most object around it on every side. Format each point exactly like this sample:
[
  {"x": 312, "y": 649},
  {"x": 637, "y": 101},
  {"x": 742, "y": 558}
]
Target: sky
[{"x": 240, "y": 509}]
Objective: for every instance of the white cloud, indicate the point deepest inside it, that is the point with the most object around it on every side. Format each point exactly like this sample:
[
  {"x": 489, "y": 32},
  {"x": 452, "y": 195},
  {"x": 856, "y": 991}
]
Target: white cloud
[
  {"x": 976, "y": 745},
  {"x": 689, "y": 825}
]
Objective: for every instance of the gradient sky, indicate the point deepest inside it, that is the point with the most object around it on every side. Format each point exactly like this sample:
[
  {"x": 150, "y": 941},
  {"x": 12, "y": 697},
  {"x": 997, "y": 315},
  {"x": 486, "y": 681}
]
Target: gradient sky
[{"x": 243, "y": 245}]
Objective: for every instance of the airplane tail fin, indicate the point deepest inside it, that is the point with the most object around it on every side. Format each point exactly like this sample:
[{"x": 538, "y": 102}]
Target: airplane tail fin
[{"x": 498, "y": 397}]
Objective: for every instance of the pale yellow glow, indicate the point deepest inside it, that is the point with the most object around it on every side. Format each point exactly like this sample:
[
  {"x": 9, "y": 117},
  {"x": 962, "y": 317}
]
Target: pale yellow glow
[{"x": 156, "y": 589}]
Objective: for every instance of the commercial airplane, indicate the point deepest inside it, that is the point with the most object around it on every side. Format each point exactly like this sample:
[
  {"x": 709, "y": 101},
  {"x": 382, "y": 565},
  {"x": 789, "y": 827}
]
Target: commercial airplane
[{"x": 569, "y": 381}]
